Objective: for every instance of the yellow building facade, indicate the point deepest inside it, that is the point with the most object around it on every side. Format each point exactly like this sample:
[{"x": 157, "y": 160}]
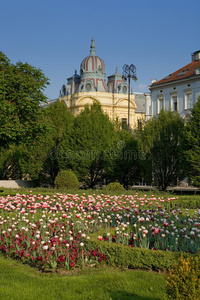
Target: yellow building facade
[{"x": 91, "y": 86}]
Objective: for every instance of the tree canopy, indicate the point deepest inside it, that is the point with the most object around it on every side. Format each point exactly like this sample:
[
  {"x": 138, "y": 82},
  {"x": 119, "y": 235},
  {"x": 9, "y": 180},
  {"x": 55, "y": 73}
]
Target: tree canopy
[
  {"x": 123, "y": 164},
  {"x": 162, "y": 140},
  {"x": 41, "y": 142},
  {"x": 92, "y": 137},
  {"x": 44, "y": 159},
  {"x": 21, "y": 93}
]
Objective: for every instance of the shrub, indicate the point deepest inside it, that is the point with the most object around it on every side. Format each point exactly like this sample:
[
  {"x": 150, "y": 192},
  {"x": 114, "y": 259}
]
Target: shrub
[
  {"x": 114, "y": 187},
  {"x": 183, "y": 280},
  {"x": 66, "y": 179},
  {"x": 134, "y": 258}
]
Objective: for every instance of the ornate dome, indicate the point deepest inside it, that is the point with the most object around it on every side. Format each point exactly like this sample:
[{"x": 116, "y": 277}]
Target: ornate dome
[{"x": 92, "y": 62}]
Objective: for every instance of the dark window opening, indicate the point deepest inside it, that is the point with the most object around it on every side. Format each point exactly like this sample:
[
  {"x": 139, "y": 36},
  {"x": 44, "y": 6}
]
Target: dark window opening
[
  {"x": 124, "y": 123},
  {"x": 139, "y": 124}
]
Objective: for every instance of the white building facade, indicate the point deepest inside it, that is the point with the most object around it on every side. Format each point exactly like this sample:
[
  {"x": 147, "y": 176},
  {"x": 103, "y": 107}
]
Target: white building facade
[{"x": 177, "y": 91}]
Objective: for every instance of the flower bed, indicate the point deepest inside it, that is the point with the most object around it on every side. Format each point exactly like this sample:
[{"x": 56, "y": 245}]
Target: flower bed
[{"x": 54, "y": 231}]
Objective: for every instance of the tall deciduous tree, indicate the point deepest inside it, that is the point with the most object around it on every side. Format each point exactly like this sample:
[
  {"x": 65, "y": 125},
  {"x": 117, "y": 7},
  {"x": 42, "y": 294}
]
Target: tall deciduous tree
[
  {"x": 21, "y": 93},
  {"x": 192, "y": 153},
  {"x": 162, "y": 141}
]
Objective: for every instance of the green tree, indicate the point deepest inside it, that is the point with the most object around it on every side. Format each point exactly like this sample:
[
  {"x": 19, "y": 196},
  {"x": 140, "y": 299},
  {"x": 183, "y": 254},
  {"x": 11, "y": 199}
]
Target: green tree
[
  {"x": 4, "y": 157},
  {"x": 124, "y": 163},
  {"x": 92, "y": 139},
  {"x": 35, "y": 158},
  {"x": 21, "y": 93},
  {"x": 192, "y": 152},
  {"x": 13, "y": 166},
  {"x": 44, "y": 158},
  {"x": 162, "y": 141},
  {"x": 22, "y": 120}
]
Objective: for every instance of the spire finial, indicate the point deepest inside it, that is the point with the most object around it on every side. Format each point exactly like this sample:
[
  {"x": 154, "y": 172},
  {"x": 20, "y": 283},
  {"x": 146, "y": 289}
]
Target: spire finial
[{"x": 92, "y": 47}]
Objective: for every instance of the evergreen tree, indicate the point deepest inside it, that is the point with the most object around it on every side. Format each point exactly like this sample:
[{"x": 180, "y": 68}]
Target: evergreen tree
[
  {"x": 124, "y": 163},
  {"x": 192, "y": 152},
  {"x": 91, "y": 141}
]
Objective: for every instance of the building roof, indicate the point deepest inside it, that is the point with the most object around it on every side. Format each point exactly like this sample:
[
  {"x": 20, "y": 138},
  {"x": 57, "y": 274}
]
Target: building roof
[
  {"x": 46, "y": 104},
  {"x": 185, "y": 72},
  {"x": 92, "y": 62}
]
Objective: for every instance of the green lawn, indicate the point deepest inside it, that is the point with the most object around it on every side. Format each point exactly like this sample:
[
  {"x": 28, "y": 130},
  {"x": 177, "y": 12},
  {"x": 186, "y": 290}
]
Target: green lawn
[{"x": 18, "y": 281}]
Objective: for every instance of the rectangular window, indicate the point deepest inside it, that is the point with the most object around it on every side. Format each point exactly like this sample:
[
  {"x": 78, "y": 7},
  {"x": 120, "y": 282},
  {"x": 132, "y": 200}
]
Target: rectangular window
[
  {"x": 174, "y": 103},
  {"x": 139, "y": 124},
  {"x": 124, "y": 123},
  {"x": 188, "y": 100},
  {"x": 160, "y": 104}
]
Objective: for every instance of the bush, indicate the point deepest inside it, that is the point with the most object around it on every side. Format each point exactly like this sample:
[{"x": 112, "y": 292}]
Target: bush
[
  {"x": 183, "y": 280},
  {"x": 66, "y": 179},
  {"x": 134, "y": 258},
  {"x": 114, "y": 187}
]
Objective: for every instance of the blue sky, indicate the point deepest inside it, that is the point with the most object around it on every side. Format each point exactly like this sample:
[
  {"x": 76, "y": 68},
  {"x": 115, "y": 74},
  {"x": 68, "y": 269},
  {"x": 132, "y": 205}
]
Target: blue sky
[{"x": 156, "y": 36}]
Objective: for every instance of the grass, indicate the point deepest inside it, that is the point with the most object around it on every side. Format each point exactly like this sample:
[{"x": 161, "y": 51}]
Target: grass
[
  {"x": 18, "y": 281},
  {"x": 51, "y": 191}
]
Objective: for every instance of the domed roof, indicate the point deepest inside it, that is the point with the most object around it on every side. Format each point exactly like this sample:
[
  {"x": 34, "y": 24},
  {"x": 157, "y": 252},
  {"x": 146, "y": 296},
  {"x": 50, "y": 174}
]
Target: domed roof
[{"x": 92, "y": 62}]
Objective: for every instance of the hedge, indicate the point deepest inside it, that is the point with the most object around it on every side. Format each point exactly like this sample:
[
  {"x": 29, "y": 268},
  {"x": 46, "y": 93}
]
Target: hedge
[{"x": 136, "y": 258}]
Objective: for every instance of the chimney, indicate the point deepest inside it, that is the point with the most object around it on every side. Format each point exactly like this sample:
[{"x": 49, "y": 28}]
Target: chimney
[
  {"x": 153, "y": 80},
  {"x": 196, "y": 56}
]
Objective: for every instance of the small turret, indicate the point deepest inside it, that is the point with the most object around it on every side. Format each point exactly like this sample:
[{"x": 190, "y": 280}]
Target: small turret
[{"x": 92, "y": 51}]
